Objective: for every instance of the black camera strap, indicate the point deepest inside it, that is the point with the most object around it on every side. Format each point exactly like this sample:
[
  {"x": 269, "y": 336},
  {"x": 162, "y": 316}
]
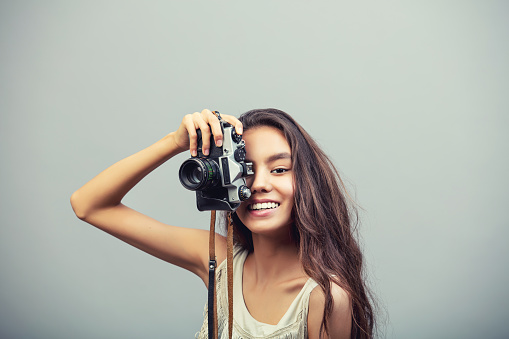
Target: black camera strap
[{"x": 212, "y": 299}]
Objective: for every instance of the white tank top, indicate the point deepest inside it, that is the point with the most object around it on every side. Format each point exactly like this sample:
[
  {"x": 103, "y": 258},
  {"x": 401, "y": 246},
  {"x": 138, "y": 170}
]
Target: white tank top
[{"x": 292, "y": 325}]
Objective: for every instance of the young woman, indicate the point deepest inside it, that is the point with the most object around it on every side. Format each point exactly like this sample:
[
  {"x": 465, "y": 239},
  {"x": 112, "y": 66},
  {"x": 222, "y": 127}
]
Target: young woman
[{"x": 297, "y": 266}]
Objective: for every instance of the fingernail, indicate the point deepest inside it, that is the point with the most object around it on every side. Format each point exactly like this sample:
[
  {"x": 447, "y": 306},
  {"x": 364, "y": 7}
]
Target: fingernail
[
  {"x": 240, "y": 131},
  {"x": 206, "y": 151},
  {"x": 219, "y": 143},
  {"x": 193, "y": 153}
]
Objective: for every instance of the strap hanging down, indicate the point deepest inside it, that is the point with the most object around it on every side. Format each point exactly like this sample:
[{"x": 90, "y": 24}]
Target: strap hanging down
[
  {"x": 212, "y": 308},
  {"x": 229, "y": 269},
  {"x": 212, "y": 302}
]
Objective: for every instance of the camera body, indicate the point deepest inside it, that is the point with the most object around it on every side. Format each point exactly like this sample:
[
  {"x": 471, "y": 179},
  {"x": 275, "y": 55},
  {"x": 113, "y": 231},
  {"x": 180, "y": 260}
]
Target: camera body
[{"x": 219, "y": 178}]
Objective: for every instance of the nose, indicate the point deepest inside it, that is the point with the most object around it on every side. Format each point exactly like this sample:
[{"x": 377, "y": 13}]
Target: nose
[{"x": 260, "y": 182}]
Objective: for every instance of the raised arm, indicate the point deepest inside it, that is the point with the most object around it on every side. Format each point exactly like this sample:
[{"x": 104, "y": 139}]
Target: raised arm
[{"x": 99, "y": 202}]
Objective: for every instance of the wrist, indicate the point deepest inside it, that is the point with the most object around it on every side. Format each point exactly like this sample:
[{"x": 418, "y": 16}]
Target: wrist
[{"x": 170, "y": 144}]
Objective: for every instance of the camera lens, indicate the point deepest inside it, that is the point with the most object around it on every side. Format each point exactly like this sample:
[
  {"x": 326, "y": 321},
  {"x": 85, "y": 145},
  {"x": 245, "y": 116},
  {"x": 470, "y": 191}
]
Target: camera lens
[{"x": 197, "y": 174}]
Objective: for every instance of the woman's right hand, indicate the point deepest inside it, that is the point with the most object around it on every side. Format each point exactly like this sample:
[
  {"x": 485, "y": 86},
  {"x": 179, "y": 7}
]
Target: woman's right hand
[{"x": 186, "y": 137}]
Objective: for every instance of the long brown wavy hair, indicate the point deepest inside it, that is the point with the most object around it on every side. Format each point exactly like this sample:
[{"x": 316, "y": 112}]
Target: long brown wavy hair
[{"x": 324, "y": 225}]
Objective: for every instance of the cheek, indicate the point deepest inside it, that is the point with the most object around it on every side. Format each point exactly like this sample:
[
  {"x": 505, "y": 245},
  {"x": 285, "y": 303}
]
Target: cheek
[
  {"x": 289, "y": 188},
  {"x": 291, "y": 193},
  {"x": 241, "y": 211}
]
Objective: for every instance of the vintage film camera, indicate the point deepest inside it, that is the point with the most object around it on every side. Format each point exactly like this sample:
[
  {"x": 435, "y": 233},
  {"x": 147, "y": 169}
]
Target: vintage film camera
[{"x": 218, "y": 178}]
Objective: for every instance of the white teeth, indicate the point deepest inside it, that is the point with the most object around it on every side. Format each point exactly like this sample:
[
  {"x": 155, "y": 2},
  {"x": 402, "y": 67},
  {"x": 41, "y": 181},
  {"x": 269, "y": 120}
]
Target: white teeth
[{"x": 263, "y": 205}]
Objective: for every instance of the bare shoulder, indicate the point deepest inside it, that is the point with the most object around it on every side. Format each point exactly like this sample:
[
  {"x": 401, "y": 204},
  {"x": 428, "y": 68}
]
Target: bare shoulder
[{"x": 340, "y": 321}]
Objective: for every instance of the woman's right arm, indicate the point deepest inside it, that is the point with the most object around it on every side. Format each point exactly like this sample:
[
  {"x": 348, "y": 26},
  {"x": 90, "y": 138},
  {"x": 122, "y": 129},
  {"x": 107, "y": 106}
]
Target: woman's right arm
[{"x": 98, "y": 202}]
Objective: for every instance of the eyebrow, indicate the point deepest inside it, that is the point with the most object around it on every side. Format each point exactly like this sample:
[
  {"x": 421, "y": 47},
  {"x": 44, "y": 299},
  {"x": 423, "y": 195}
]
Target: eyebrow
[{"x": 277, "y": 156}]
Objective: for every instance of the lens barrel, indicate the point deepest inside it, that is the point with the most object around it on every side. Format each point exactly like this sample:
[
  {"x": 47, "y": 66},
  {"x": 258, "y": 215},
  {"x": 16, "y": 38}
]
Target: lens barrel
[{"x": 197, "y": 174}]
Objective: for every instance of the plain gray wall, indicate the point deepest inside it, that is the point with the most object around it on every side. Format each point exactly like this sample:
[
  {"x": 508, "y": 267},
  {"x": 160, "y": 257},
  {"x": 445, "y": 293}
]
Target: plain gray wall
[{"x": 410, "y": 99}]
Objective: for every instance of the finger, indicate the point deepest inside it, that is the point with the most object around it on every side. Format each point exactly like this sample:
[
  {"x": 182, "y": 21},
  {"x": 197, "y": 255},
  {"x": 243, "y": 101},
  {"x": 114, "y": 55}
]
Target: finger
[
  {"x": 235, "y": 122},
  {"x": 215, "y": 126},
  {"x": 193, "y": 137},
  {"x": 205, "y": 132}
]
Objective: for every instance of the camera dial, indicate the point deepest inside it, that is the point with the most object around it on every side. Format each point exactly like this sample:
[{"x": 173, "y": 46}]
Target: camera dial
[
  {"x": 236, "y": 137},
  {"x": 244, "y": 193},
  {"x": 240, "y": 154}
]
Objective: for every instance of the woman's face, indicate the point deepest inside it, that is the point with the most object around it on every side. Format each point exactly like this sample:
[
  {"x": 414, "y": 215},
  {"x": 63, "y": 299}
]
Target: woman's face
[{"x": 269, "y": 208}]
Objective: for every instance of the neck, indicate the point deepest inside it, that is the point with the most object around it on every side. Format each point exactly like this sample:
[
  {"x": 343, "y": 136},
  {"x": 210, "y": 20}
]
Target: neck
[{"x": 274, "y": 260}]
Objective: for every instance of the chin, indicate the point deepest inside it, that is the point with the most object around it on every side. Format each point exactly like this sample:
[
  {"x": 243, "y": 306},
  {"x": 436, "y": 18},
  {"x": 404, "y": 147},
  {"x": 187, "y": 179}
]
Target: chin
[{"x": 266, "y": 226}]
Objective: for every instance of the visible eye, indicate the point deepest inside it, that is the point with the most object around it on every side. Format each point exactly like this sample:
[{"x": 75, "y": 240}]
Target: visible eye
[{"x": 279, "y": 170}]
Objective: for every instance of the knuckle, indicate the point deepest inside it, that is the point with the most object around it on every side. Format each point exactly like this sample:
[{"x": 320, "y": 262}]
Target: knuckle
[
  {"x": 205, "y": 139},
  {"x": 205, "y": 132},
  {"x": 216, "y": 127}
]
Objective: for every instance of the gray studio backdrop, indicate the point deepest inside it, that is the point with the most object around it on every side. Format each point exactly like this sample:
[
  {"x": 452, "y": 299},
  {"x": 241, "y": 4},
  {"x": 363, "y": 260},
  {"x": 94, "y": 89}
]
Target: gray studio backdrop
[{"x": 408, "y": 98}]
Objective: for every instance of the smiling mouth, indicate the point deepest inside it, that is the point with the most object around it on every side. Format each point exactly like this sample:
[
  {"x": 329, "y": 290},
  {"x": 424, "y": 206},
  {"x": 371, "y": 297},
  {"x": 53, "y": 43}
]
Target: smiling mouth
[{"x": 262, "y": 206}]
